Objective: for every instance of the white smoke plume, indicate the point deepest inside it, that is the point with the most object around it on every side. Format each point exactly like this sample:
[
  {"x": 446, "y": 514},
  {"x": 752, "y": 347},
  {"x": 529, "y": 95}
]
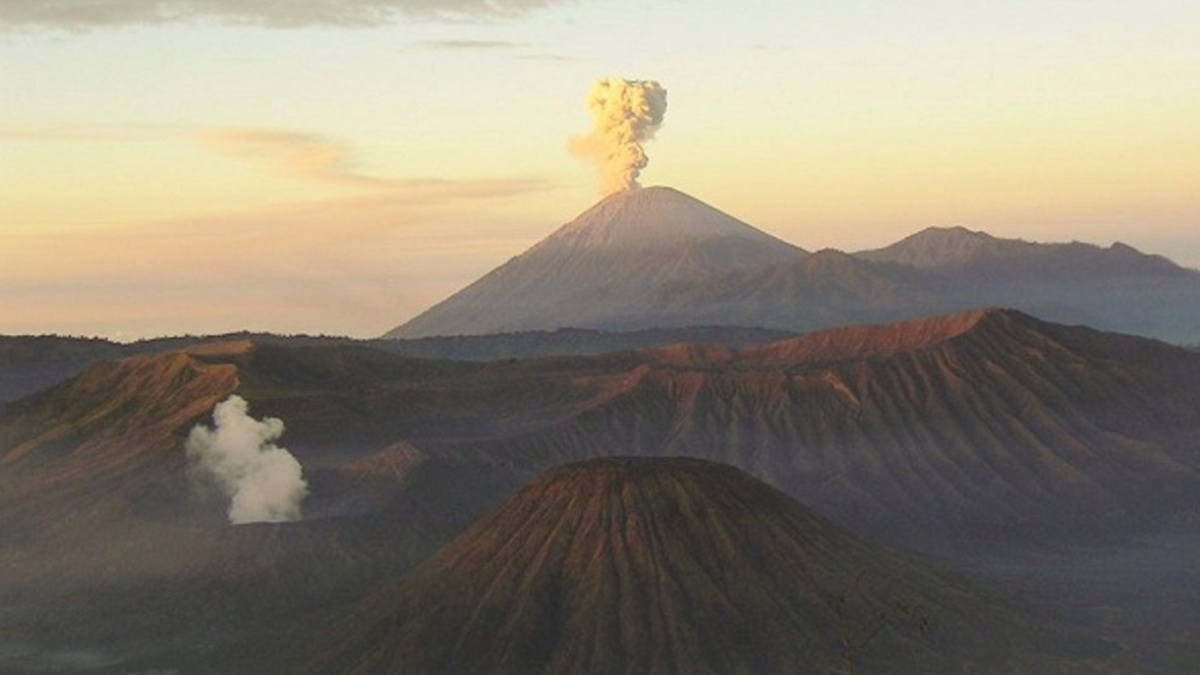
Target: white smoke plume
[
  {"x": 627, "y": 113},
  {"x": 262, "y": 480}
]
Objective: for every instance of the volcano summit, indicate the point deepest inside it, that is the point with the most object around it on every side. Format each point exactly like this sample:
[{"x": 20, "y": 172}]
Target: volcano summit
[{"x": 603, "y": 268}]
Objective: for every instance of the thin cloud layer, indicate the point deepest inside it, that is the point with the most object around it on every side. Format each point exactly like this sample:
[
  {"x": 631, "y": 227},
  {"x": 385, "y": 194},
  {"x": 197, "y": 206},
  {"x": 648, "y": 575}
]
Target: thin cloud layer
[
  {"x": 297, "y": 153},
  {"x": 341, "y": 265},
  {"x": 469, "y": 45},
  {"x": 317, "y": 157},
  {"x": 348, "y": 263},
  {"x": 88, "y": 14}
]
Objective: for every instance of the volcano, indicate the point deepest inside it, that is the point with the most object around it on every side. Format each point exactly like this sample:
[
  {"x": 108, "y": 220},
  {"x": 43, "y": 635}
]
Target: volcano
[
  {"x": 675, "y": 565},
  {"x": 601, "y": 268},
  {"x": 657, "y": 258}
]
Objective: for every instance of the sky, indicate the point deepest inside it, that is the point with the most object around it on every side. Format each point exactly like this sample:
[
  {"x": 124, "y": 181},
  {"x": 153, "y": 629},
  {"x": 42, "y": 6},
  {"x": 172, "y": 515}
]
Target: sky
[{"x": 337, "y": 166}]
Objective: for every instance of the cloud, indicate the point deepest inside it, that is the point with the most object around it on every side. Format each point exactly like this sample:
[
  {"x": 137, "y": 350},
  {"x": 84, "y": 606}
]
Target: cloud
[
  {"x": 352, "y": 264},
  {"x": 317, "y": 157},
  {"x": 302, "y": 154},
  {"x": 89, "y": 14},
  {"x": 263, "y": 481},
  {"x": 471, "y": 44},
  {"x": 351, "y": 261},
  {"x": 547, "y": 57}
]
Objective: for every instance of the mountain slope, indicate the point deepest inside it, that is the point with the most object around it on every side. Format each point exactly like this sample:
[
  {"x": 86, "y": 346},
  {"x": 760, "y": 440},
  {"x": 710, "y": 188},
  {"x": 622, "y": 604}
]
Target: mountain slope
[
  {"x": 627, "y": 565},
  {"x": 595, "y": 270},
  {"x": 980, "y": 427},
  {"x": 824, "y": 289}
]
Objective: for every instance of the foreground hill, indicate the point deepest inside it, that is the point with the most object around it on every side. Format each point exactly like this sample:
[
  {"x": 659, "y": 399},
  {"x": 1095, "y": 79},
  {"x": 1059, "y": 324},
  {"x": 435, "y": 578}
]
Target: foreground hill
[
  {"x": 655, "y": 257},
  {"x": 965, "y": 435},
  {"x": 633, "y": 565}
]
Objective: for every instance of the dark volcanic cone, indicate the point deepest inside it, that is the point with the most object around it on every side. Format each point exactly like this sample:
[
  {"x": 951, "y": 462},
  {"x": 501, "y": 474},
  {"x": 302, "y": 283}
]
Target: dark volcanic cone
[{"x": 627, "y": 565}]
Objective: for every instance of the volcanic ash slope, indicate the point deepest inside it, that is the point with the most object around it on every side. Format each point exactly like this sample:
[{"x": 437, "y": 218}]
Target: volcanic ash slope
[{"x": 635, "y": 565}]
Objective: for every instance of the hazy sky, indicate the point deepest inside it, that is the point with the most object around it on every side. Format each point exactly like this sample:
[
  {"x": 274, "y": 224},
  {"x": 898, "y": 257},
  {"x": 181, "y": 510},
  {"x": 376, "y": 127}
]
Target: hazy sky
[{"x": 209, "y": 165}]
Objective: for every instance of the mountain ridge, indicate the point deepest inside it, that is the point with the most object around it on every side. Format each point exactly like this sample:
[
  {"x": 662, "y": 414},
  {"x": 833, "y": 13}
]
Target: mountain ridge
[
  {"x": 959, "y": 247},
  {"x": 931, "y": 247},
  {"x": 32, "y": 363},
  {"x": 802, "y": 411},
  {"x": 872, "y": 340}
]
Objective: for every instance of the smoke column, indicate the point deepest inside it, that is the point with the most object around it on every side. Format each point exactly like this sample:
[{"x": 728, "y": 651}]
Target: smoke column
[
  {"x": 627, "y": 113},
  {"x": 262, "y": 480}
]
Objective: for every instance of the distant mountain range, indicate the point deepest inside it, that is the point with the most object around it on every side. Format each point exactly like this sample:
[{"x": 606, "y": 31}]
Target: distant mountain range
[
  {"x": 655, "y": 257},
  {"x": 955, "y": 435},
  {"x": 966, "y": 251}
]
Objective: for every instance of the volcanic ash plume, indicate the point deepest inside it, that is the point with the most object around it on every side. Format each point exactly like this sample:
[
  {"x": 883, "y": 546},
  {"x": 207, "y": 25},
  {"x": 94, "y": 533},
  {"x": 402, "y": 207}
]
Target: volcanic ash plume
[
  {"x": 627, "y": 113},
  {"x": 262, "y": 480}
]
